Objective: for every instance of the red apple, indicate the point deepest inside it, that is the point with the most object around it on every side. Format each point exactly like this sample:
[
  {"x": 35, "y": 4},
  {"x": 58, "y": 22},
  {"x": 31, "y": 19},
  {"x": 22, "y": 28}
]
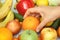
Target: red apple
[
  {"x": 48, "y": 34},
  {"x": 14, "y": 26},
  {"x": 23, "y": 5}
]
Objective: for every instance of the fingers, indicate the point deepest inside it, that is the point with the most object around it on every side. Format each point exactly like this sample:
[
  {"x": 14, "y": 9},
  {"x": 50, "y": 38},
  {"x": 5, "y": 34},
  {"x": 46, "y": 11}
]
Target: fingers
[
  {"x": 42, "y": 24},
  {"x": 27, "y": 13},
  {"x": 31, "y": 10}
]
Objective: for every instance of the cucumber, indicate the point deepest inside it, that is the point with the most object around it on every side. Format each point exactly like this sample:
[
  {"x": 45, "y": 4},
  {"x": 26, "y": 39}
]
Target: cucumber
[
  {"x": 18, "y": 16},
  {"x": 56, "y": 24}
]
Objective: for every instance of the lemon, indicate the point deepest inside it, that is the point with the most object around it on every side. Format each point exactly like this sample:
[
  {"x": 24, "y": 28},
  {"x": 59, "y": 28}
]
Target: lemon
[{"x": 42, "y": 2}]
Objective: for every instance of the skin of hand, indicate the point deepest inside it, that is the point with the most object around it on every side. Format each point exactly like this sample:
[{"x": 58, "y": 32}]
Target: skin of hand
[{"x": 48, "y": 14}]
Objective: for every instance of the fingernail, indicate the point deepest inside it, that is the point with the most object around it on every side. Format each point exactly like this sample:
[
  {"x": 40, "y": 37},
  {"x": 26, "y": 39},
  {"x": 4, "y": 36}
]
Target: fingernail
[{"x": 37, "y": 30}]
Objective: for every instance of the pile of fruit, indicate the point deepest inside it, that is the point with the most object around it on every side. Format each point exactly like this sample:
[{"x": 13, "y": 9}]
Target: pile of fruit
[{"x": 12, "y": 23}]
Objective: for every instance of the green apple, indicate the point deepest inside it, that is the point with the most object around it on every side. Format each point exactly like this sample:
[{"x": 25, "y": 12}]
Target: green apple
[
  {"x": 29, "y": 35},
  {"x": 54, "y": 2}
]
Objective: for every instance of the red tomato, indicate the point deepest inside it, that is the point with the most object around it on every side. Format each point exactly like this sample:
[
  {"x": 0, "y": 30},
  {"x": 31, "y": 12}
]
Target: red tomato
[{"x": 23, "y": 5}]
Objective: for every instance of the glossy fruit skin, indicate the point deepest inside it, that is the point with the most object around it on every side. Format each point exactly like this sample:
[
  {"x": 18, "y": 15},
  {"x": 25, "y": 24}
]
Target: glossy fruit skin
[
  {"x": 28, "y": 35},
  {"x": 58, "y": 31},
  {"x": 23, "y": 5},
  {"x": 14, "y": 26},
  {"x": 5, "y": 34},
  {"x": 30, "y": 23},
  {"x": 48, "y": 34}
]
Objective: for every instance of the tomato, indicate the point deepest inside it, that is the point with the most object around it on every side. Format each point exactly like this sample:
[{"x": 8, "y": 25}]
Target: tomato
[{"x": 23, "y": 5}]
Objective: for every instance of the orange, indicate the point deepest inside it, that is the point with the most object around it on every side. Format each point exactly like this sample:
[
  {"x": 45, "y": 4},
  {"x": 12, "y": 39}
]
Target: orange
[
  {"x": 5, "y": 34},
  {"x": 30, "y": 23}
]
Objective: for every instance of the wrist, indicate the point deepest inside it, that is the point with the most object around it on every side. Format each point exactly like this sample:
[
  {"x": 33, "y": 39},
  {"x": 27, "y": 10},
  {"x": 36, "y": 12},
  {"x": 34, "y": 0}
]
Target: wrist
[{"x": 57, "y": 10}]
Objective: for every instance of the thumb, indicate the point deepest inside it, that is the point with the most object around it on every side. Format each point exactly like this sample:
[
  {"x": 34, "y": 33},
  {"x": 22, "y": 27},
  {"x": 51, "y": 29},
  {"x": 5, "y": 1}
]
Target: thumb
[{"x": 42, "y": 24}]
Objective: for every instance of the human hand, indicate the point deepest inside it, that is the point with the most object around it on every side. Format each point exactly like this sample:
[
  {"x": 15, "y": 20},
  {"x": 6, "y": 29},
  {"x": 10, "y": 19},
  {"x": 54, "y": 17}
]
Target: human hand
[{"x": 47, "y": 13}]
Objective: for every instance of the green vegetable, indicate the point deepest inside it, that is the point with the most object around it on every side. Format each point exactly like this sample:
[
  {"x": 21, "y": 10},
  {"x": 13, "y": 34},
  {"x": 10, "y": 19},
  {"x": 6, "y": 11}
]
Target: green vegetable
[
  {"x": 18, "y": 16},
  {"x": 56, "y": 24}
]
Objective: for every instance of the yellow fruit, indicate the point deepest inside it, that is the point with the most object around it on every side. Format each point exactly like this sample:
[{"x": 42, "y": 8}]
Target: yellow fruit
[
  {"x": 30, "y": 23},
  {"x": 48, "y": 24},
  {"x": 5, "y": 8},
  {"x": 48, "y": 34},
  {"x": 42, "y": 2},
  {"x": 9, "y": 17},
  {"x": 0, "y": 4},
  {"x": 5, "y": 34}
]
